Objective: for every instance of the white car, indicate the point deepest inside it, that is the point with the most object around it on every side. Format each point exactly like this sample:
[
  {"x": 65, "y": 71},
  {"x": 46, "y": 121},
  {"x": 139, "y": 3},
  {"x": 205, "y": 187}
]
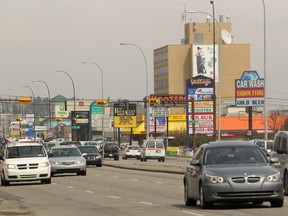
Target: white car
[
  {"x": 153, "y": 149},
  {"x": 132, "y": 152},
  {"x": 24, "y": 162}
]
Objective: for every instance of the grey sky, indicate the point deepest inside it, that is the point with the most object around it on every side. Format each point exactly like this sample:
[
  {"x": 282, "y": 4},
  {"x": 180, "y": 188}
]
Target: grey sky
[{"x": 39, "y": 37}]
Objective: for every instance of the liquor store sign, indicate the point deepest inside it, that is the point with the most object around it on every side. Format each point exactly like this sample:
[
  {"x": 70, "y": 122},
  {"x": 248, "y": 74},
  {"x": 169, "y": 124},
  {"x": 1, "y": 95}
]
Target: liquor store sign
[{"x": 249, "y": 90}]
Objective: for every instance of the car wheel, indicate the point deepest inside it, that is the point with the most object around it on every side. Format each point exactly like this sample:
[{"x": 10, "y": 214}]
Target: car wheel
[
  {"x": 99, "y": 165},
  {"x": 83, "y": 173},
  {"x": 3, "y": 181},
  {"x": 285, "y": 183},
  {"x": 117, "y": 158},
  {"x": 145, "y": 159},
  {"x": 277, "y": 203},
  {"x": 188, "y": 201},
  {"x": 141, "y": 159},
  {"x": 203, "y": 203},
  {"x": 46, "y": 181},
  {"x": 163, "y": 159}
]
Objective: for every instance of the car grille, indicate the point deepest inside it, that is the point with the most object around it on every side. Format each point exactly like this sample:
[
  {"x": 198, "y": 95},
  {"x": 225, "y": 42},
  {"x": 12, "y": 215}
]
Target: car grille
[
  {"x": 245, "y": 194},
  {"x": 27, "y": 166},
  {"x": 68, "y": 163},
  {"x": 28, "y": 176},
  {"x": 91, "y": 158},
  {"x": 249, "y": 179}
]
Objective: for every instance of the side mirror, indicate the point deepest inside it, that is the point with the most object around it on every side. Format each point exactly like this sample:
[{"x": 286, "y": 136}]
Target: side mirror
[
  {"x": 50, "y": 155},
  {"x": 274, "y": 160},
  {"x": 84, "y": 154},
  {"x": 195, "y": 162}
]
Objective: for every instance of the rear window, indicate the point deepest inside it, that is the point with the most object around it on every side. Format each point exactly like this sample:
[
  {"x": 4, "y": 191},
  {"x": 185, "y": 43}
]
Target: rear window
[{"x": 155, "y": 145}]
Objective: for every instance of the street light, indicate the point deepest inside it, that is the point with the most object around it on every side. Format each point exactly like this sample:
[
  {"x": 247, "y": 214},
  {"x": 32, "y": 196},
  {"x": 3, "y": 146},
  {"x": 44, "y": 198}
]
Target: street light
[
  {"x": 49, "y": 101},
  {"x": 102, "y": 97},
  {"x": 61, "y": 71},
  {"x": 265, "y": 74},
  {"x": 219, "y": 77},
  {"x": 34, "y": 110},
  {"x": 147, "y": 96}
]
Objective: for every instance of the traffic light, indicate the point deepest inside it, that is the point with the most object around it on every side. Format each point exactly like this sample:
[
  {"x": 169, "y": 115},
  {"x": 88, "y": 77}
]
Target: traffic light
[
  {"x": 101, "y": 102},
  {"x": 74, "y": 120},
  {"x": 154, "y": 101},
  {"x": 18, "y": 119},
  {"x": 24, "y": 100},
  {"x": 58, "y": 119}
]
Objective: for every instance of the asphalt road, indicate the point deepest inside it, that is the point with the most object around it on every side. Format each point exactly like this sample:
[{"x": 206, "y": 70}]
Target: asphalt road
[{"x": 111, "y": 191}]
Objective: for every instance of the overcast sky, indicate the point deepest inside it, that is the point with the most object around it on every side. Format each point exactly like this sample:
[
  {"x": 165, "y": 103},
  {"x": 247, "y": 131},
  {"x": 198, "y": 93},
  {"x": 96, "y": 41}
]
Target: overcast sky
[{"x": 38, "y": 37}]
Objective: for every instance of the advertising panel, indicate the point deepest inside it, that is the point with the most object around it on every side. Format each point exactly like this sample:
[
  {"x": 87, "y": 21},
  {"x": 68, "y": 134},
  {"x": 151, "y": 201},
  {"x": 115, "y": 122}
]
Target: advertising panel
[
  {"x": 124, "y": 115},
  {"x": 199, "y": 91},
  {"x": 203, "y": 61},
  {"x": 249, "y": 90}
]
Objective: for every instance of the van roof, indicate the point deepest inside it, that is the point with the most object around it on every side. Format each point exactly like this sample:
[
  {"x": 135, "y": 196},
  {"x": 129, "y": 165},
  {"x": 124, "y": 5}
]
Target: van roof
[{"x": 16, "y": 144}]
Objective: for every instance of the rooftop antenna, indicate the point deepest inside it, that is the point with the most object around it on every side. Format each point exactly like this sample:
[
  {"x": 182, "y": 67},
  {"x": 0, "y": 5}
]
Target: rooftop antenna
[{"x": 184, "y": 14}]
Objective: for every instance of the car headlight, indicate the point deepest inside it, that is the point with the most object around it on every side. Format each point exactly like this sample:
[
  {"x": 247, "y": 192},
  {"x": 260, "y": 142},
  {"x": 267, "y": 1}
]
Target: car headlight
[
  {"x": 273, "y": 178},
  {"x": 81, "y": 162},
  {"x": 215, "y": 179},
  {"x": 98, "y": 157},
  {"x": 10, "y": 166},
  {"x": 45, "y": 164},
  {"x": 55, "y": 163}
]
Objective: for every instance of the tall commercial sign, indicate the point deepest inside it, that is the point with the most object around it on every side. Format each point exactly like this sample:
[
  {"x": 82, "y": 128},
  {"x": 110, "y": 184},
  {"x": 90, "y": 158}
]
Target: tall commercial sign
[
  {"x": 199, "y": 93},
  {"x": 249, "y": 90}
]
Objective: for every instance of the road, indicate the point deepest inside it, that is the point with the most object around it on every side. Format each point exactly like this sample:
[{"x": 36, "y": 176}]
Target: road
[{"x": 113, "y": 191}]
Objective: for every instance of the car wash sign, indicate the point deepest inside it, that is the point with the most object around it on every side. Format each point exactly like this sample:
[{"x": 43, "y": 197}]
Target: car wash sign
[{"x": 249, "y": 90}]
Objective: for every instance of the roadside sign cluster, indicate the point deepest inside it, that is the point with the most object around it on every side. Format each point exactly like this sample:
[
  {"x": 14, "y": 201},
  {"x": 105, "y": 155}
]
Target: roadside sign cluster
[{"x": 199, "y": 91}]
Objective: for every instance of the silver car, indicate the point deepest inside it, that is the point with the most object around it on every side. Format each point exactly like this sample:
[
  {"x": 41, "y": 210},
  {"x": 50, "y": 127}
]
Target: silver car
[
  {"x": 67, "y": 159},
  {"x": 232, "y": 171}
]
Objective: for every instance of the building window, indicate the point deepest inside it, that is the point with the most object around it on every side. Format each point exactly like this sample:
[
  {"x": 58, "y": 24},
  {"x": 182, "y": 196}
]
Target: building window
[
  {"x": 160, "y": 84},
  {"x": 160, "y": 57},
  {"x": 161, "y": 71}
]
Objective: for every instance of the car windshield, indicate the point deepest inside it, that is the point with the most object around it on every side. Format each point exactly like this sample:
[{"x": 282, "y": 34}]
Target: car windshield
[
  {"x": 88, "y": 149},
  {"x": 66, "y": 152},
  {"x": 26, "y": 151},
  {"x": 234, "y": 154}
]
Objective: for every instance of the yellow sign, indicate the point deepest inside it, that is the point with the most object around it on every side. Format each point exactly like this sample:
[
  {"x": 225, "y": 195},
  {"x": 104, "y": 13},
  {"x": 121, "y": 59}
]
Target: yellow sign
[
  {"x": 177, "y": 117},
  {"x": 24, "y": 100},
  {"x": 125, "y": 121}
]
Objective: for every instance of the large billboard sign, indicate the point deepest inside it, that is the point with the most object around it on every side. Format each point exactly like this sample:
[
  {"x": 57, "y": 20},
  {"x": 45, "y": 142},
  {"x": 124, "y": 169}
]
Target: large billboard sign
[
  {"x": 124, "y": 115},
  {"x": 203, "y": 61},
  {"x": 249, "y": 90}
]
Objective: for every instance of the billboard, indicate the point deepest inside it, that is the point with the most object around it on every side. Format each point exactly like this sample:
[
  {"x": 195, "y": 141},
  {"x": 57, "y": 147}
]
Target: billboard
[
  {"x": 249, "y": 90},
  {"x": 124, "y": 115},
  {"x": 203, "y": 61}
]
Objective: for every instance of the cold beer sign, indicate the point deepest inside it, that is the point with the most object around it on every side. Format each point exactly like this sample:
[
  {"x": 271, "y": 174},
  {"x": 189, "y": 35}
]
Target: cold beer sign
[{"x": 249, "y": 90}]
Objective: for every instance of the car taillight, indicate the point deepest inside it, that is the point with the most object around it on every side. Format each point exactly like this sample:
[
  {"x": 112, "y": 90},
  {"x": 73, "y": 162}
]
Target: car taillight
[
  {"x": 128, "y": 151},
  {"x": 138, "y": 151}
]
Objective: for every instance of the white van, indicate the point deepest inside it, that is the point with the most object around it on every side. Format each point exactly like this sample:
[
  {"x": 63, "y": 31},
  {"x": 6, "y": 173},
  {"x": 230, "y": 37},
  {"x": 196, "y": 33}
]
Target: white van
[
  {"x": 24, "y": 162},
  {"x": 153, "y": 149}
]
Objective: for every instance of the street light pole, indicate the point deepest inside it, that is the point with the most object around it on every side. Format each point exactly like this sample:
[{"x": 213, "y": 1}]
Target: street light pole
[
  {"x": 214, "y": 96},
  {"x": 147, "y": 96},
  {"x": 102, "y": 97},
  {"x": 34, "y": 111},
  {"x": 265, "y": 75},
  {"x": 74, "y": 97},
  {"x": 49, "y": 101}
]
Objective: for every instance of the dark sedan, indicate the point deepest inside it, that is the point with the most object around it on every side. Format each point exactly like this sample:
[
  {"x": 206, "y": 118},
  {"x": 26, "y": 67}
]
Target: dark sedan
[
  {"x": 91, "y": 154},
  {"x": 232, "y": 171}
]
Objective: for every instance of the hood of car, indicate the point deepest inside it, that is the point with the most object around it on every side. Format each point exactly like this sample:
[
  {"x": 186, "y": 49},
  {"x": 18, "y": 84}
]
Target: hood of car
[
  {"x": 245, "y": 169},
  {"x": 66, "y": 159}
]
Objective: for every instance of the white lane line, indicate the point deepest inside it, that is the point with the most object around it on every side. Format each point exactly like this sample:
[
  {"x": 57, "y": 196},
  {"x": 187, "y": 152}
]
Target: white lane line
[
  {"x": 146, "y": 203},
  {"x": 87, "y": 191},
  {"x": 70, "y": 187},
  {"x": 54, "y": 183},
  {"x": 156, "y": 182},
  {"x": 114, "y": 197},
  {"x": 187, "y": 212},
  {"x": 116, "y": 177},
  {"x": 133, "y": 179}
]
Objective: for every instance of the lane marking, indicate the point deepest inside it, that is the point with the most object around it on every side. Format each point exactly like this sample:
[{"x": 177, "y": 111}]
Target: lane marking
[
  {"x": 133, "y": 179},
  {"x": 146, "y": 203},
  {"x": 87, "y": 191},
  {"x": 116, "y": 177},
  {"x": 156, "y": 182},
  {"x": 114, "y": 197},
  {"x": 187, "y": 212},
  {"x": 70, "y": 187}
]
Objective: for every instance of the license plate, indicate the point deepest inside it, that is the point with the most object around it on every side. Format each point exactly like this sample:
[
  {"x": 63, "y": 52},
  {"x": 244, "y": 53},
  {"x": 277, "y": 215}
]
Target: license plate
[{"x": 110, "y": 155}]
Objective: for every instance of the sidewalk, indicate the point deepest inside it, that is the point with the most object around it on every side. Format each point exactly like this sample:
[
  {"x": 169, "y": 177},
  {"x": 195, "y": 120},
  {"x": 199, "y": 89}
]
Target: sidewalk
[{"x": 152, "y": 165}]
